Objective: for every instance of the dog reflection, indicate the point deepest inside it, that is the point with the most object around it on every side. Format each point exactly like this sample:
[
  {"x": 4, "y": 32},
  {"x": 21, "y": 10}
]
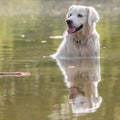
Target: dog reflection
[{"x": 82, "y": 78}]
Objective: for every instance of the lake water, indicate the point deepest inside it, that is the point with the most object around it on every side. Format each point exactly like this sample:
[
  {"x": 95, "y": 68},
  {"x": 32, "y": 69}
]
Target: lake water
[{"x": 30, "y": 31}]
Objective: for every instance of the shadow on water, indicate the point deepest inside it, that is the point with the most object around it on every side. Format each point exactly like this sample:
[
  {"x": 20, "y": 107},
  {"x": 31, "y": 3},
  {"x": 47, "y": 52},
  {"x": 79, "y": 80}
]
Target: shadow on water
[{"x": 29, "y": 32}]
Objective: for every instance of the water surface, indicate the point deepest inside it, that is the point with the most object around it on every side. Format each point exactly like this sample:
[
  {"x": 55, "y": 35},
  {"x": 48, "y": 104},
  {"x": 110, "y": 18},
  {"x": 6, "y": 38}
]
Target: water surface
[{"x": 30, "y": 31}]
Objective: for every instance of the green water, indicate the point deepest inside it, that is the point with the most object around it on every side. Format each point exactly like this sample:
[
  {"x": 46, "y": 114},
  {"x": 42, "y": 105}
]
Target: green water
[{"x": 30, "y": 31}]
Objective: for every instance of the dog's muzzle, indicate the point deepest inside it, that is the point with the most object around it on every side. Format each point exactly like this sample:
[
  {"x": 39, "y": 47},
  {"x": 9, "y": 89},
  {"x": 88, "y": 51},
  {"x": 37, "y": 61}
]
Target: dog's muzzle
[{"x": 71, "y": 28}]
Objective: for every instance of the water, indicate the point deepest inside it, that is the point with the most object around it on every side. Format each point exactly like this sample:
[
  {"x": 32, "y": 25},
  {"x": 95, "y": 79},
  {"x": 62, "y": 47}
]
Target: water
[{"x": 29, "y": 33}]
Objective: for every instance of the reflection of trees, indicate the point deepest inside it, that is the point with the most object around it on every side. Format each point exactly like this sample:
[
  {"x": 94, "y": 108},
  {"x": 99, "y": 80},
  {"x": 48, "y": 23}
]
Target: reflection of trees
[
  {"x": 25, "y": 33},
  {"x": 33, "y": 94},
  {"x": 6, "y": 41},
  {"x": 109, "y": 89}
]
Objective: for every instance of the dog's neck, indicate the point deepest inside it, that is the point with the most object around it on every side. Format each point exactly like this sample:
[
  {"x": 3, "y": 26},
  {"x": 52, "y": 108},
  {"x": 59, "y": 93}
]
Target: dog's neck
[{"x": 81, "y": 37}]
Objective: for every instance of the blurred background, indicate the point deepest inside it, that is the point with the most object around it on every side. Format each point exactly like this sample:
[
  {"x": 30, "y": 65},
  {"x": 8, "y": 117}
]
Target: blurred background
[{"x": 30, "y": 31}]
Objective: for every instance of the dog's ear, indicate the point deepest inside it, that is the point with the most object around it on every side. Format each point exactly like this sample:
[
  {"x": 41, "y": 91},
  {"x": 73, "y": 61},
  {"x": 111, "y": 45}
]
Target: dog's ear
[
  {"x": 93, "y": 16},
  {"x": 71, "y": 7}
]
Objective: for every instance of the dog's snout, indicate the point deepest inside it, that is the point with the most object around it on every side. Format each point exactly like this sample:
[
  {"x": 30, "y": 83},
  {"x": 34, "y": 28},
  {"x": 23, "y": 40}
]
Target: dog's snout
[{"x": 69, "y": 22}]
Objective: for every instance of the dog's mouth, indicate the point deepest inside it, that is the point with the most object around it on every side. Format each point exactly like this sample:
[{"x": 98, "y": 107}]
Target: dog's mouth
[{"x": 73, "y": 29}]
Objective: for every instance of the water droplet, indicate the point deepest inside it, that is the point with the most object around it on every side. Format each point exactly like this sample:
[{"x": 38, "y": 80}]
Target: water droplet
[
  {"x": 22, "y": 36},
  {"x": 44, "y": 41}
]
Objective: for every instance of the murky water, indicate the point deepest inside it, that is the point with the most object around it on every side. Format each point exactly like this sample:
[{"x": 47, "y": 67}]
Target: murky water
[{"x": 29, "y": 32}]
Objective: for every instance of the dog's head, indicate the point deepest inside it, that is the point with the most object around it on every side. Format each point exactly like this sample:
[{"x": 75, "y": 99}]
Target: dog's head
[{"x": 78, "y": 16}]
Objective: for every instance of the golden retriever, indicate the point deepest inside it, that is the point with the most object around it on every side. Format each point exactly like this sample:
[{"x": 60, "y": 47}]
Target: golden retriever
[{"x": 81, "y": 39}]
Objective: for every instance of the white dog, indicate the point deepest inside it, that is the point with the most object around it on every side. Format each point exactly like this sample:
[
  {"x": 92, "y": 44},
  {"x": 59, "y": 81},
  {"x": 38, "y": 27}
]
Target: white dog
[{"x": 81, "y": 39}]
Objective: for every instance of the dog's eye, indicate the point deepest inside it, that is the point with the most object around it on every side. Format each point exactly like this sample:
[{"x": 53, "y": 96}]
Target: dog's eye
[
  {"x": 70, "y": 15},
  {"x": 79, "y": 15}
]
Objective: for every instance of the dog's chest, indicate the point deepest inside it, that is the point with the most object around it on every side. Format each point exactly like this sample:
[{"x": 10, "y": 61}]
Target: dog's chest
[{"x": 79, "y": 43}]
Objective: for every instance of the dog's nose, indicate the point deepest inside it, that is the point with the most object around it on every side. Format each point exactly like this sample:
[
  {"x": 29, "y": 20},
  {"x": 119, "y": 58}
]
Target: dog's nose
[{"x": 69, "y": 22}]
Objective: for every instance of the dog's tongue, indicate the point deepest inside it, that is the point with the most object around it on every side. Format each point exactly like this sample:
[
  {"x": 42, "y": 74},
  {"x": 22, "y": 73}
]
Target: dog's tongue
[{"x": 71, "y": 30}]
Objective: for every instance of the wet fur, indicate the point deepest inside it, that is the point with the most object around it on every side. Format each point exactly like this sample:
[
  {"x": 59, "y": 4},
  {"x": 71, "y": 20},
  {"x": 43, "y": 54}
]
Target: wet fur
[{"x": 84, "y": 43}]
